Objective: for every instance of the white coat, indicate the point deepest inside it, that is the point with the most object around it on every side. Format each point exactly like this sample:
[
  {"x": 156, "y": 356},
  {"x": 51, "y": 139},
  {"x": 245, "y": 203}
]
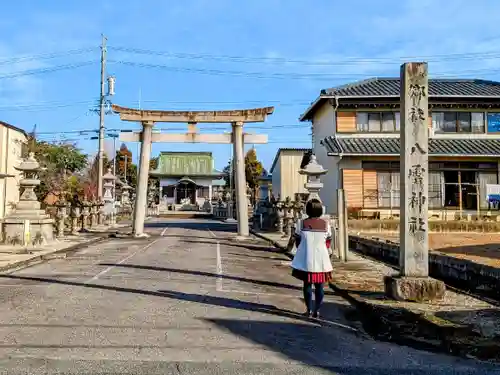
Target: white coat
[{"x": 312, "y": 252}]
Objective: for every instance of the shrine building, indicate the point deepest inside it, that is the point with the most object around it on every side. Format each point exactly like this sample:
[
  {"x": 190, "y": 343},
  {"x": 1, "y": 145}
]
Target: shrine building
[{"x": 187, "y": 178}]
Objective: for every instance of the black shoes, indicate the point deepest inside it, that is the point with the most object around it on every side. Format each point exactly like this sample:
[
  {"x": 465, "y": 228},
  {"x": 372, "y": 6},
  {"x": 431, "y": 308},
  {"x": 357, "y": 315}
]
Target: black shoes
[{"x": 308, "y": 314}]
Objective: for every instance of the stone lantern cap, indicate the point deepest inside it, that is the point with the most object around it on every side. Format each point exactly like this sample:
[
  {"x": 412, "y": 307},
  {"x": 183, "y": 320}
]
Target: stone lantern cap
[
  {"x": 313, "y": 168},
  {"x": 126, "y": 186},
  {"x": 29, "y": 164},
  {"x": 109, "y": 176}
]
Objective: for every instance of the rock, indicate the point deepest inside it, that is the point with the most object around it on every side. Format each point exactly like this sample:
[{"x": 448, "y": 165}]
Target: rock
[{"x": 415, "y": 289}]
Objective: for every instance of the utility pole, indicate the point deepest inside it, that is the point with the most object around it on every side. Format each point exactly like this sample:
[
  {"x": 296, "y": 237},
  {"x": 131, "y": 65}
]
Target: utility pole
[
  {"x": 102, "y": 103},
  {"x": 114, "y": 164}
]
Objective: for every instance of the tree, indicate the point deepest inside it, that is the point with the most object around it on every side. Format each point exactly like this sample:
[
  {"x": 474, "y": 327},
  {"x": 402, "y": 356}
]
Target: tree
[
  {"x": 228, "y": 176},
  {"x": 153, "y": 163},
  {"x": 61, "y": 161},
  {"x": 124, "y": 163},
  {"x": 90, "y": 176},
  {"x": 253, "y": 171}
]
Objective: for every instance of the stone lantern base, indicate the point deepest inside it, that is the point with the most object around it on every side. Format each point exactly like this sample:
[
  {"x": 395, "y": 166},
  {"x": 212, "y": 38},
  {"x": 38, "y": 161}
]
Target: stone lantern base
[{"x": 41, "y": 231}]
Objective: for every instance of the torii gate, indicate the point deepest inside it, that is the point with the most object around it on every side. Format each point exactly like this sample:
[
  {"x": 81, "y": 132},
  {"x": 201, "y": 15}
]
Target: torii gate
[{"x": 236, "y": 118}]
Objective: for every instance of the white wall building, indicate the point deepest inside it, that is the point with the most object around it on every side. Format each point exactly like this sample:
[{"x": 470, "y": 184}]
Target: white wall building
[
  {"x": 286, "y": 180},
  {"x": 12, "y": 140}
]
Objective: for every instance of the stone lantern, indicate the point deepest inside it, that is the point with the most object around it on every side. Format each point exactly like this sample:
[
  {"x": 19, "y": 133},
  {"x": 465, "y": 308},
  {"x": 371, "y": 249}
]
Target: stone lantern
[
  {"x": 313, "y": 170},
  {"x": 28, "y": 224},
  {"x": 125, "y": 198},
  {"x": 109, "y": 196}
]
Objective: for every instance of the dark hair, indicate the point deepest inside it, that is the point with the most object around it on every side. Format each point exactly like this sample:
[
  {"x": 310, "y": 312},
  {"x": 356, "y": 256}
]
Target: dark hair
[{"x": 314, "y": 208}]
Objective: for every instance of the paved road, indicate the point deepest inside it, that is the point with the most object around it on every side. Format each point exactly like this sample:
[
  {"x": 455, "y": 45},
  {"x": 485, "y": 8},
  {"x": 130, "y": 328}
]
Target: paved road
[{"x": 189, "y": 300}]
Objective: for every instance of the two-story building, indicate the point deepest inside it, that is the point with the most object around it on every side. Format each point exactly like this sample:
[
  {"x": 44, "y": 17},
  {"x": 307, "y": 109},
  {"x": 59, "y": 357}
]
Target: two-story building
[{"x": 356, "y": 137}]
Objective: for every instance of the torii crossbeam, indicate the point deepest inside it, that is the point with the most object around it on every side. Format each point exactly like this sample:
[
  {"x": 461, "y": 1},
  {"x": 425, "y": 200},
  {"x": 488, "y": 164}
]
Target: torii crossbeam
[{"x": 236, "y": 118}]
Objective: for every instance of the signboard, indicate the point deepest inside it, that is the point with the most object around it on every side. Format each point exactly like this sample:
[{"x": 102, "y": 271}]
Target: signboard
[{"x": 493, "y": 122}]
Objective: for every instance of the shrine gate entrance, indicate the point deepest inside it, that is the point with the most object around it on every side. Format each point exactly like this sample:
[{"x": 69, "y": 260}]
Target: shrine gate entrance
[{"x": 148, "y": 118}]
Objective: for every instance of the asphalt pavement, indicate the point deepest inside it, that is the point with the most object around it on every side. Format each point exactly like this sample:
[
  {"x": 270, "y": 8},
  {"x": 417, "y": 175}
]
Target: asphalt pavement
[{"x": 188, "y": 300}]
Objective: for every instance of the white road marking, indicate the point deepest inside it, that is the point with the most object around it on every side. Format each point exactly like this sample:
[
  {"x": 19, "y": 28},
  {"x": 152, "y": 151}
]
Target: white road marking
[
  {"x": 211, "y": 233},
  {"x": 120, "y": 262},
  {"x": 218, "y": 280},
  {"x": 163, "y": 231},
  {"x": 94, "y": 278}
]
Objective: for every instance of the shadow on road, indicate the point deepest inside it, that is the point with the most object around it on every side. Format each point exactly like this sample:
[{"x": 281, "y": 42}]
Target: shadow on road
[
  {"x": 252, "y": 247},
  {"x": 211, "y": 300},
  {"x": 208, "y": 274},
  {"x": 318, "y": 347},
  {"x": 305, "y": 342},
  {"x": 215, "y": 226}
]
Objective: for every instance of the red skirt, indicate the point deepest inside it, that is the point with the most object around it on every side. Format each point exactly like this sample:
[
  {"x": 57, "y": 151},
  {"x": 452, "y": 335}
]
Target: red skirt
[{"x": 312, "y": 277}]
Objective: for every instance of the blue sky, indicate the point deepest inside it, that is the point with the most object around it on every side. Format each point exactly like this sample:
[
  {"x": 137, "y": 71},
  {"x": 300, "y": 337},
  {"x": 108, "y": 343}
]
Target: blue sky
[{"x": 281, "y": 53}]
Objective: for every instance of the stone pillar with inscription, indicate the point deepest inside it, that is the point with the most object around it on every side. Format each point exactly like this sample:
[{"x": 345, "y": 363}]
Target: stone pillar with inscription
[{"x": 413, "y": 282}]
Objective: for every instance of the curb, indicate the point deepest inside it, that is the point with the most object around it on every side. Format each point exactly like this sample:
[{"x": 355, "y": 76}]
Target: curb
[
  {"x": 420, "y": 331},
  {"x": 56, "y": 254},
  {"x": 274, "y": 243}
]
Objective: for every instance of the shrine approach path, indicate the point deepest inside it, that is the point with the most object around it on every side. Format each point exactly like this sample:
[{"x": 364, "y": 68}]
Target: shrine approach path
[{"x": 187, "y": 300}]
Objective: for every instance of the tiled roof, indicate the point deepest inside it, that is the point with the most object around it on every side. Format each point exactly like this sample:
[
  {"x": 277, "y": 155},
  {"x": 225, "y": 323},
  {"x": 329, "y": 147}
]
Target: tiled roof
[
  {"x": 185, "y": 164},
  {"x": 390, "y": 146},
  {"x": 304, "y": 150},
  {"x": 389, "y": 88},
  {"x": 437, "y": 87}
]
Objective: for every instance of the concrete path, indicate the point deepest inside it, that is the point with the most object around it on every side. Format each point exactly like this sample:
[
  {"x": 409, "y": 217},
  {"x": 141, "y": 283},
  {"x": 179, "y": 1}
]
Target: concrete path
[{"x": 188, "y": 300}]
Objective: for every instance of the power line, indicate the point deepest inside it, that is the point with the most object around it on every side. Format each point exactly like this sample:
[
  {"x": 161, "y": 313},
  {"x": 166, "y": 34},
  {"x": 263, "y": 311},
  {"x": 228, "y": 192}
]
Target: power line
[
  {"x": 92, "y": 138},
  {"x": 280, "y": 60},
  {"x": 291, "y": 75},
  {"x": 46, "y": 70},
  {"x": 43, "y": 107},
  {"x": 181, "y": 128},
  {"x": 232, "y": 72},
  {"x": 46, "y": 56}
]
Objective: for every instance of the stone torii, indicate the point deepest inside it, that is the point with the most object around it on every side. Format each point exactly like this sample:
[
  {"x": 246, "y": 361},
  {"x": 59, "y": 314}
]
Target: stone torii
[{"x": 236, "y": 118}]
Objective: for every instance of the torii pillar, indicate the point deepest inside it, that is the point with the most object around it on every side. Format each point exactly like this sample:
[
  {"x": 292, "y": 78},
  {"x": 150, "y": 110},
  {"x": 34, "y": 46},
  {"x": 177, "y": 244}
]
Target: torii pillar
[
  {"x": 238, "y": 138},
  {"x": 141, "y": 198},
  {"x": 240, "y": 180}
]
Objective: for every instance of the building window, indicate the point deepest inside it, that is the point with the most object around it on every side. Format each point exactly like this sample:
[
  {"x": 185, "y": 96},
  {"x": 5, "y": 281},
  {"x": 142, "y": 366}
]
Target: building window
[
  {"x": 388, "y": 189},
  {"x": 458, "y": 122},
  {"x": 451, "y": 185},
  {"x": 376, "y": 122}
]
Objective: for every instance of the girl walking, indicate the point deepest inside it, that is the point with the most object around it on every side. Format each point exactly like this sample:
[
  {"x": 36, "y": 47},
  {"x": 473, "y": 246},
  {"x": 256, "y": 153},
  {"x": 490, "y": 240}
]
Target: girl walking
[{"x": 311, "y": 263}]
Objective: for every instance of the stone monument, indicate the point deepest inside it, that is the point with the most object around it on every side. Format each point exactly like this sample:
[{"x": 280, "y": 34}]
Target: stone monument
[
  {"x": 413, "y": 282},
  {"x": 28, "y": 224}
]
